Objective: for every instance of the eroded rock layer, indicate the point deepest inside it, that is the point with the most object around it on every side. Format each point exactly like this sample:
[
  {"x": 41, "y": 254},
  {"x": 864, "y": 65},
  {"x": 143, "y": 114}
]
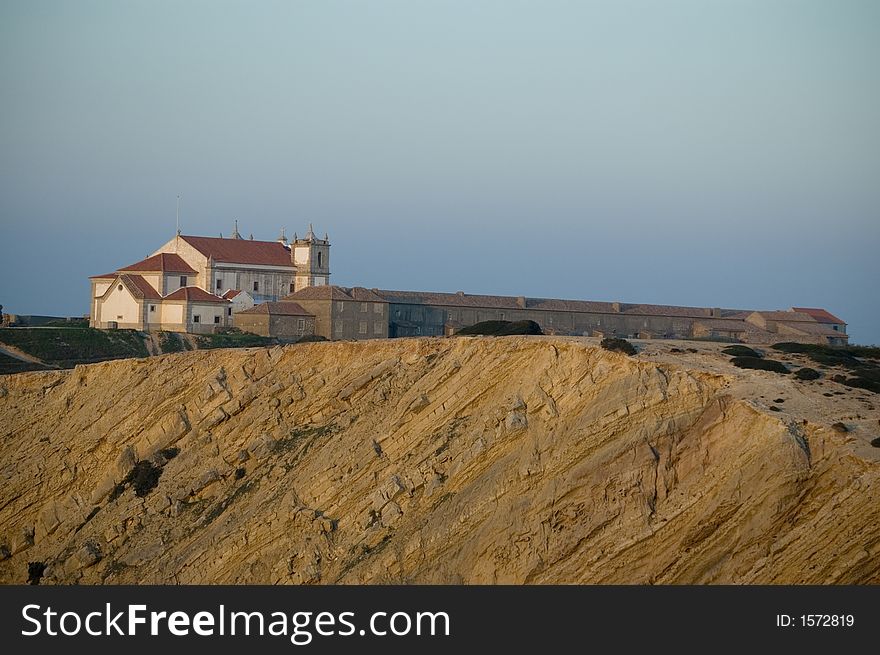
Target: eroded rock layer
[{"x": 509, "y": 460}]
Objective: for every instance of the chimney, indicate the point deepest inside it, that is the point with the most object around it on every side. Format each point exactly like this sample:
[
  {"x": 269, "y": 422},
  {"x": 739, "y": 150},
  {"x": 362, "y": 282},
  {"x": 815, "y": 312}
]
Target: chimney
[
  {"x": 521, "y": 302},
  {"x": 615, "y": 307}
]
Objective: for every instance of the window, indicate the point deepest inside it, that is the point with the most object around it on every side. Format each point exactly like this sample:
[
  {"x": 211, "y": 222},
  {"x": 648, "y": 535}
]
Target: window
[
  {"x": 377, "y": 308},
  {"x": 378, "y": 328},
  {"x": 183, "y": 280},
  {"x": 152, "y": 308},
  {"x": 256, "y": 286},
  {"x": 291, "y": 287},
  {"x": 216, "y": 319},
  {"x": 502, "y": 316},
  {"x": 362, "y": 327},
  {"x": 835, "y": 328},
  {"x": 364, "y": 307},
  {"x": 118, "y": 318},
  {"x": 219, "y": 284},
  {"x": 197, "y": 318},
  {"x": 119, "y": 287},
  {"x": 301, "y": 325},
  {"x": 229, "y": 311},
  {"x": 319, "y": 260}
]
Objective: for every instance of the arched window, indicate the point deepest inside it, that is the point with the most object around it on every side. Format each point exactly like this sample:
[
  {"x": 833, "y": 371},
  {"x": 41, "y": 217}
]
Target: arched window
[{"x": 319, "y": 259}]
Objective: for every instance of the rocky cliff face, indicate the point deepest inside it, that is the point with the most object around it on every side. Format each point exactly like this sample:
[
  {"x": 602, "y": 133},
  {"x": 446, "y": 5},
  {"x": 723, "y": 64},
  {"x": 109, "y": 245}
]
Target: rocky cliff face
[{"x": 514, "y": 460}]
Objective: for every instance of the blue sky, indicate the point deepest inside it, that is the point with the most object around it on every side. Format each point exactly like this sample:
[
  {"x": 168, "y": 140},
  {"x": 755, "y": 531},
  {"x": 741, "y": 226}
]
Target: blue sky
[{"x": 684, "y": 152}]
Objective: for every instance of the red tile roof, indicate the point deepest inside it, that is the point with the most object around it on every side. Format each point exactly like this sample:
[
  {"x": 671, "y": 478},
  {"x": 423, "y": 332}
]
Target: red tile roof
[
  {"x": 106, "y": 276},
  {"x": 812, "y": 328},
  {"x": 242, "y": 251},
  {"x": 231, "y": 293},
  {"x": 821, "y": 315},
  {"x": 285, "y": 308},
  {"x": 194, "y": 294},
  {"x": 326, "y": 292},
  {"x": 787, "y": 316},
  {"x": 139, "y": 287},
  {"x": 165, "y": 262}
]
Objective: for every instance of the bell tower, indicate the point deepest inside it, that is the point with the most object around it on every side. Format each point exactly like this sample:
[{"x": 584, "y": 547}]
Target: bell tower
[{"x": 311, "y": 257}]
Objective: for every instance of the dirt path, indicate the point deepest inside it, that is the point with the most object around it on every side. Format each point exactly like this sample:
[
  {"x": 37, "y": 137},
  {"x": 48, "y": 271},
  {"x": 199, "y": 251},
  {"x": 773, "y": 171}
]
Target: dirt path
[{"x": 20, "y": 355}]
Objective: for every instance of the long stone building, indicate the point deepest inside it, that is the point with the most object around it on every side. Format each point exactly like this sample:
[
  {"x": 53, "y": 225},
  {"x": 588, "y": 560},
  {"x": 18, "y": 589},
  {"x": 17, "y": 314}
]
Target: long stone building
[
  {"x": 358, "y": 313},
  {"x": 282, "y": 289}
]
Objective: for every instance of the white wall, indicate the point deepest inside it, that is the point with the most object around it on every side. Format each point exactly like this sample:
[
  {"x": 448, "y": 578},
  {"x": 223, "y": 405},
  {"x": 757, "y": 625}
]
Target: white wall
[
  {"x": 101, "y": 287},
  {"x": 119, "y": 306}
]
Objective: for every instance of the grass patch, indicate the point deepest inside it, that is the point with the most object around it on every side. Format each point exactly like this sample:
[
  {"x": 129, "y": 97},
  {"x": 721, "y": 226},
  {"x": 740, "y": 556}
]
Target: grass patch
[
  {"x": 170, "y": 342},
  {"x": 69, "y": 323},
  {"x": 759, "y": 364},
  {"x": 233, "y": 340},
  {"x": 741, "y": 351},
  {"x": 35, "y": 572},
  {"x": 311, "y": 338},
  {"x": 807, "y": 374},
  {"x": 10, "y": 365},
  {"x": 66, "y": 347},
  {"x": 501, "y": 328},
  {"x": 143, "y": 478},
  {"x": 618, "y": 345},
  {"x": 224, "y": 504}
]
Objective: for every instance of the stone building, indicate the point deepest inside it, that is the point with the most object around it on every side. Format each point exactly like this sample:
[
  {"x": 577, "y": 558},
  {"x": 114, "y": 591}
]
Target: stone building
[
  {"x": 219, "y": 276},
  {"x": 358, "y": 313},
  {"x": 286, "y": 320},
  {"x": 344, "y": 313}
]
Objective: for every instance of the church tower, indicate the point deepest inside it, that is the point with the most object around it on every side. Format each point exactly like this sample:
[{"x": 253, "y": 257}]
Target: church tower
[{"x": 311, "y": 256}]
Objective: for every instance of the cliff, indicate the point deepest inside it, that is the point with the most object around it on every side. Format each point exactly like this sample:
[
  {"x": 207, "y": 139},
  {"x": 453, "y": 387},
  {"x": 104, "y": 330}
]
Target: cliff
[{"x": 469, "y": 460}]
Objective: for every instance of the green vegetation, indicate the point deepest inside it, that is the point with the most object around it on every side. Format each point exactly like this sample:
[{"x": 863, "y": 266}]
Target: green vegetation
[
  {"x": 143, "y": 478},
  {"x": 741, "y": 351},
  {"x": 619, "y": 345},
  {"x": 171, "y": 342},
  {"x": 69, "y": 323},
  {"x": 311, "y": 338},
  {"x": 67, "y": 347},
  {"x": 12, "y": 365},
  {"x": 501, "y": 328},
  {"x": 807, "y": 374},
  {"x": 236, "y": 339},
  {"x": 832, "y": 354},
  {"x": 759, "y": 364},
  {"x": 861, "y": 374}
]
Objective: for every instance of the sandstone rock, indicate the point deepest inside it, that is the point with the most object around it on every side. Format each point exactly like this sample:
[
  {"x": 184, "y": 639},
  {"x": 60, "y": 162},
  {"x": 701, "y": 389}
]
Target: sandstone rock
[{"x": 521, "y": 459}]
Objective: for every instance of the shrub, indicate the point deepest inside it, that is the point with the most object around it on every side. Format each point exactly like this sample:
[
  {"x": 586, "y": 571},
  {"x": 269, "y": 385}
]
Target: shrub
[
  {"x": 807, "y": 374},
  {"x": 876, "y": 442},
  {"x": 861, "y": 383},
  {"x": 501, "y": 328},
  {"x": 740, "y": 351},
  {"x": 311, "y": 338},
  {"x": 759, "y": 364},
  {"x": 619, "y": 345},
  {"x": 35, "y": 572}
]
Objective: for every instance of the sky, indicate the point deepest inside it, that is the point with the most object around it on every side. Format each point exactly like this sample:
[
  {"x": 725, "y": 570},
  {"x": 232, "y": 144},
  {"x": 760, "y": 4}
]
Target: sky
[{"x": 691, "y": 152}]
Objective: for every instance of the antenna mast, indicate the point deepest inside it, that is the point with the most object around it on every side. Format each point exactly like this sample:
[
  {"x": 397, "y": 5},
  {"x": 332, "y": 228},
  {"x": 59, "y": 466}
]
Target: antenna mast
[{"x": 178, "y": 214}]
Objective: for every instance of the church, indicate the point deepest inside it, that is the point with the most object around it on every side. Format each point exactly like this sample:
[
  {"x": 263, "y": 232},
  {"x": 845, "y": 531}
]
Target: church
[{"x": 197, "y": 284}]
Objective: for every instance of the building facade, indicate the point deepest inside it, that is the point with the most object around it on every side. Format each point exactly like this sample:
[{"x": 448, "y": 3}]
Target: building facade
[
  {"x": 197, "y": 284},
  {"x": 358, "y": 313},
  {"x": 280, "y": 288}
]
